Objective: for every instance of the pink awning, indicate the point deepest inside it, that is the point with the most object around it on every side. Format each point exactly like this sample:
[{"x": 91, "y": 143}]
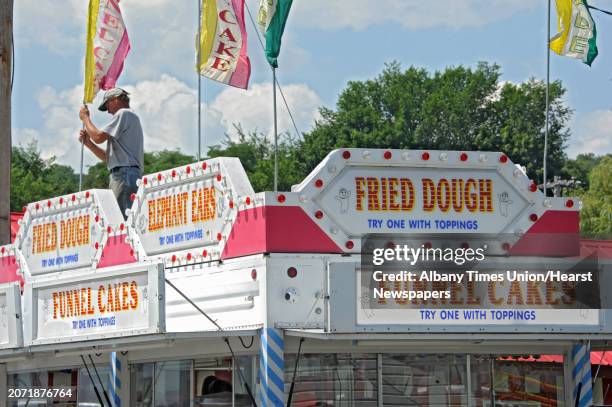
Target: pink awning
[{"x": 603, "y": 358}]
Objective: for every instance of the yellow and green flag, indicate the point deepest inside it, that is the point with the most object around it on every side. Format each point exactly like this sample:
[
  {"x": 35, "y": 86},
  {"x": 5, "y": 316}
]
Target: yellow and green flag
[{"x": 577, "y": 33}]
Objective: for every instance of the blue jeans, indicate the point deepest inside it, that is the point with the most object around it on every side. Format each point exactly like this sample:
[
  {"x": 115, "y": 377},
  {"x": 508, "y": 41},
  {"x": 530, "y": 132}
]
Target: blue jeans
[{"x": 123, "y": 184}]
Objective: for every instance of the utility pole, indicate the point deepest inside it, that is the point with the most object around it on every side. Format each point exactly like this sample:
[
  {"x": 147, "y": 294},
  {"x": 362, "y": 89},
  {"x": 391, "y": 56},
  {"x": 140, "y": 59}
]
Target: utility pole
[
  {"x": 6, "y": 68},
  {"x": 557, "y": 185}
]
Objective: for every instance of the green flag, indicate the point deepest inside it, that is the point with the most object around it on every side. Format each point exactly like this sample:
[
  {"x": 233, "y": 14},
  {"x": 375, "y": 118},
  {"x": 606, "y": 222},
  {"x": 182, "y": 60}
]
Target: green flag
[{"x": 272, "y": 18}]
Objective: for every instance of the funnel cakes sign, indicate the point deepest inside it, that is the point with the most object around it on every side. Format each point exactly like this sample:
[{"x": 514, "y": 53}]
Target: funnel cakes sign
[{"x": 125, "y": 301}]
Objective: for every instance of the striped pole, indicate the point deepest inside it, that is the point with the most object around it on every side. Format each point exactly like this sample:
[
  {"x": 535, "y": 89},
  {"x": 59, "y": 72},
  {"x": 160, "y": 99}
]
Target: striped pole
[
  {"x": 271, "y": 368},
  {"x": 119, "y": 380},
  {"x": 581, "y": 374}
]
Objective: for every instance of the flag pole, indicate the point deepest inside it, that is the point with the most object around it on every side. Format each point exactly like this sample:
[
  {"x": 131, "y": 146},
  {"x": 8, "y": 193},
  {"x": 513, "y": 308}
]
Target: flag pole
[
  {"x": 547, "y": 98},
  {"x": 275, "y": 130},
  {"x": 81, "y": 168},
  {"x": 82, "y": 149},
  {"x": 199, "y": 81}
]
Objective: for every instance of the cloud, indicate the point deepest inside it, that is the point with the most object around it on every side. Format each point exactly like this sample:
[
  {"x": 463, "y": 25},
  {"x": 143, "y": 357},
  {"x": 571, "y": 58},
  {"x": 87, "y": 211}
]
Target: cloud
[
  {"x": 165, "y": 33},
  {"x": 591, "y": 133},
  {"x": 411, "y": 14},
  {"x": 253, "y": 108},
  {"x": 168, "y": 111},
  {"x": 162, "y": 34},
  {"x": 59, "y": 26}
]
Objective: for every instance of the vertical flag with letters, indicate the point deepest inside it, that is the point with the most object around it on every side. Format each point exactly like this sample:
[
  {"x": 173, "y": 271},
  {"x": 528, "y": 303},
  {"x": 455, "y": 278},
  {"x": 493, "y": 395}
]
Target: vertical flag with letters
[
  {"x": 223, "y": 43},
  {"x": 107, "y": 47},
  {"x": 272, "y": 17},
  {"x": 577, "y": 33}
]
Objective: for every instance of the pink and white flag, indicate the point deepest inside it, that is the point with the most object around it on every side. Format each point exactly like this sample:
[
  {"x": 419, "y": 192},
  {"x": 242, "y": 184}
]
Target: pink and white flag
[
  {"x": 222, "y": 45},
  {"x": 107, "y": 47}
]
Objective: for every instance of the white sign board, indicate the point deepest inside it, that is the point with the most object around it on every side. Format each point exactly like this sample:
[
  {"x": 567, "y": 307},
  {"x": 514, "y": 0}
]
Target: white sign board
[
  {"x": 478, "y": 317},
  {"x": 117, "y": 301},
  {"x": 67, "y": 232},
  {"x": 422, "y": 300},
  {"x": 419, "y": 200},
  {"x": 354, "y": 192},
  {"x": 507, "y": 291},
  {"x": 10, "y": 316},
  {"x": 188, "y": 208}
]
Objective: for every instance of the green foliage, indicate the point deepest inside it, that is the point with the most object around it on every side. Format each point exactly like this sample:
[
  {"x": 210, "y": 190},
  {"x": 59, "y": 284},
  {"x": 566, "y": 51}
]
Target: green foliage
[
  {"x": 457, "y": 109},
  {"x": 596, "y": 213},
  {"x": 256, "y": 153},
  {"x": 34, "y": 179},
  {"x": 97, "y": 177},
  {"x": 580, "y": 168},
  {"x": 165, "y": 159}
]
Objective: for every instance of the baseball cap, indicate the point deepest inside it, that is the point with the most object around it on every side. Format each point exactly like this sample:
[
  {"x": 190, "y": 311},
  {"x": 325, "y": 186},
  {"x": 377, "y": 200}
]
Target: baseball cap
[{"x": 108, "y": 95}]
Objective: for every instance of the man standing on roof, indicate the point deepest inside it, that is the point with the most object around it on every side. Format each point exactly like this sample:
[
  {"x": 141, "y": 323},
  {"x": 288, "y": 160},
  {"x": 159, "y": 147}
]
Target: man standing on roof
[{"x": 124, "y": 154}]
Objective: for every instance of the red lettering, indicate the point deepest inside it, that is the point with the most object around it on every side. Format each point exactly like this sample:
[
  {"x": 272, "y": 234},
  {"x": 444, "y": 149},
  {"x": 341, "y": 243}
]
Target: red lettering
[
  {"x": 227, "y": 33},
  {"x": 114, "y": 4},
  {"x": 102, "y": 35},
  {"x": 393, "y": 193},
  {"x": 444, "y": 198},
  {"x": 360, "y": 183},
  {"x": 471, "y": 199},
  {"x": 111, "y": 21},
  {"x": 429, "y": 195},
  {"x": 373, "y": 188},
  {"x": 221, "y": 64},
  {"x": 222, "y": 49},
  {"x": 407, "y": 194},
  {"x": 134, "y": 295},
  {"x": 55, "y": 305},
  {"x": 97, "y": 50},
  {"x": 223, "y": 16}
]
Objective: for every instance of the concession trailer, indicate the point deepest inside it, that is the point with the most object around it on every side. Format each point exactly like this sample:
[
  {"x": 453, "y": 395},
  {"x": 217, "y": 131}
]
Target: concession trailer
[{"x": 207, "y": 293}]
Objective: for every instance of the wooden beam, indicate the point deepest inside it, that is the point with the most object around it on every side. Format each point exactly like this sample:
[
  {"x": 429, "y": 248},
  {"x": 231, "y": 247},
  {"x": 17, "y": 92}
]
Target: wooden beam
[{"x": 6, "y": 64}]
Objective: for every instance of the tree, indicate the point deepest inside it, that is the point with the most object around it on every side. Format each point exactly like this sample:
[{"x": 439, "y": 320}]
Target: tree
[
  {"x": 580, "y": 168},
  {"x": 35, "y": 179},
  {"x": 256, "y": 153},
  {"x": 596, "y": 213},
  {"x": 98, "y": 175},
  {"x": 457, "y": 109},
  {"x": 165, "y": 159}
]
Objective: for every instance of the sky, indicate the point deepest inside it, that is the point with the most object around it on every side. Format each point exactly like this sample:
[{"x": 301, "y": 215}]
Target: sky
[{"x": 325, "y": 45}]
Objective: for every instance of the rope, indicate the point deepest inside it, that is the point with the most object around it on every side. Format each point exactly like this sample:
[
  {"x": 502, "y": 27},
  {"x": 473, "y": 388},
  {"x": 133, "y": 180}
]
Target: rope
[
  {"x": 277, "y": 83},
  {"x": 603, "y": 11}
]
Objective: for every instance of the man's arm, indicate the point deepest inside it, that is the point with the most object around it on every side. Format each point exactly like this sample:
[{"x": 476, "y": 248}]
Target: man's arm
[
  {"x": 95, "y": 135},
  {"x": 98, "y": 152}
]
